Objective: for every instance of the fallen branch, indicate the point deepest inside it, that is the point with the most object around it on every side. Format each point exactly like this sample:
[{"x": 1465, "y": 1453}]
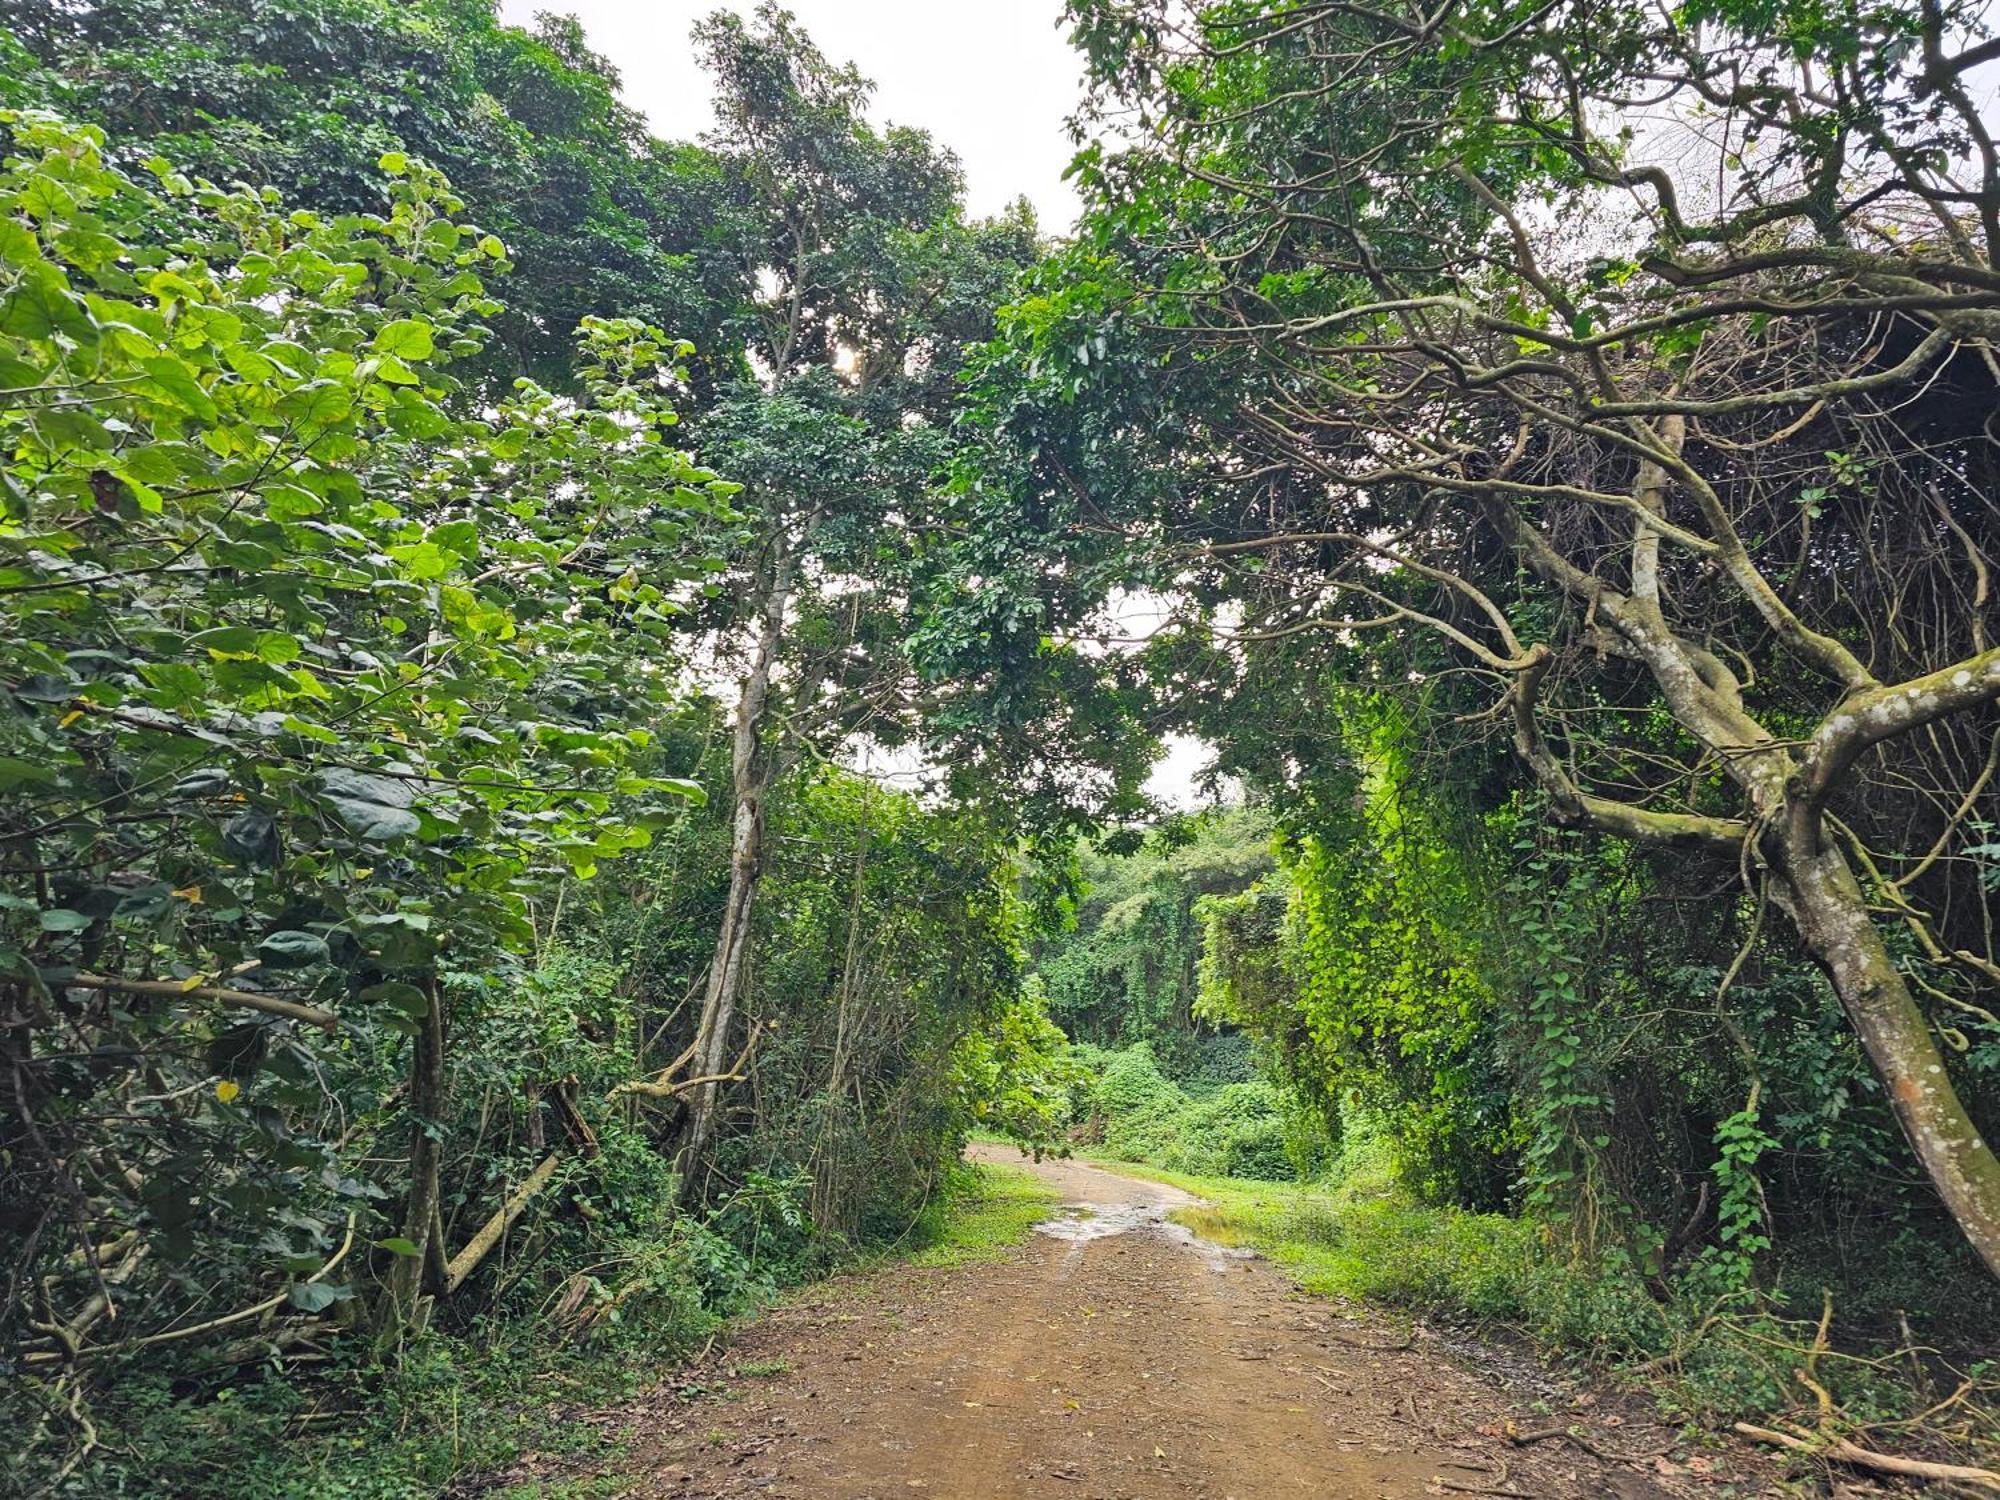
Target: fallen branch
[
  {"x": 171, "y": 989},
  {"x": 476, "y": 1249},
  {"x": 1842, "y": 1451},
  {"x": 669, "y": 1088},
  {"x": 663, "y": 1084},
  {"x": 227, "y": 1320},
  {"x": 1575, "y": 1435},
  {"x": 1500, "y": 1485},
  {"x": 1340, "y": 1338}
]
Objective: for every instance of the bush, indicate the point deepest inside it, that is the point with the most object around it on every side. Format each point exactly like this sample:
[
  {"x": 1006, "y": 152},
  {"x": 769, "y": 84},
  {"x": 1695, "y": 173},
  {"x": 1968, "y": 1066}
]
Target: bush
[
  {"x": 1133, "y": 1084},
  {"x": 1241, "y": 1128}
]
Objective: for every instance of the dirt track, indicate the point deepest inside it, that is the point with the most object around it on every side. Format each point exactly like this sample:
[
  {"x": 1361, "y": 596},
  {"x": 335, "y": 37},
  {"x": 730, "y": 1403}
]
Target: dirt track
[{"x": 1131, "y": 1365}]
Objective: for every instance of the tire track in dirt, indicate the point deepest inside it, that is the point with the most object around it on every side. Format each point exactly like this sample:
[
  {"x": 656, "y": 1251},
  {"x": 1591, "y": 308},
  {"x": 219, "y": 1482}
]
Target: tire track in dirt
[{"x": 1133, "y": 1365}]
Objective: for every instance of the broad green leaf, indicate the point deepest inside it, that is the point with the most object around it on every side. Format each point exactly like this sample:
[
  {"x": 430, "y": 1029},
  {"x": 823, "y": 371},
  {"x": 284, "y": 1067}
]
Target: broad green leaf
[
  {"x": 292, "y": 949},
  {"x": 406, "y": 338},
  {"x": 373, "y": 807}
]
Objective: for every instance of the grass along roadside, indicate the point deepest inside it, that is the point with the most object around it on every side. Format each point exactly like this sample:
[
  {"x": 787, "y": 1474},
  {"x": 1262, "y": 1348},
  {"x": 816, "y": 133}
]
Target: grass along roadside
[
  {"x": 1347, "y": 1241},
  {"x": 993, "y": 1208},
  {"x": 1710, "y": 1365}
]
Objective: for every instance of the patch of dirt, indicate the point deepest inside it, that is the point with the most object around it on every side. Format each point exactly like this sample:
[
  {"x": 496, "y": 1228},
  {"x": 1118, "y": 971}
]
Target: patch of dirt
[{"x": 1119, "y": 1358}]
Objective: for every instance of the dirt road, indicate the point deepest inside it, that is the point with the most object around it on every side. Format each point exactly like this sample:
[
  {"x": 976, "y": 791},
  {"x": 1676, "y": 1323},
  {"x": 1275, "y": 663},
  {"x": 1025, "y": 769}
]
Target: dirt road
[{"x": 1115, "y": 1358}]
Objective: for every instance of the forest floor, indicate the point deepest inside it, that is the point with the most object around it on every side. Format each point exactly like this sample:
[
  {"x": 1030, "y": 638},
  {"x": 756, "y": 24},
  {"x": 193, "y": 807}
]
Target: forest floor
[{"x": 1117, "y": 1357}]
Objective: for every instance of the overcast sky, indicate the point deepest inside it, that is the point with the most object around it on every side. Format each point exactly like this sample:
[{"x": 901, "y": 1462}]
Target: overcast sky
[{"x": 991, "y": 79}]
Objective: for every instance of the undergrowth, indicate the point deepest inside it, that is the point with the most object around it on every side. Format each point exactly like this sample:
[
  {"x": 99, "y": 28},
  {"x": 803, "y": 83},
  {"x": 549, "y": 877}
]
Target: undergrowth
[
  {"x": 991, "y": 1209},
  {"x": 1218, "y": 1117},
  {"x": 472, "y": 1403}
]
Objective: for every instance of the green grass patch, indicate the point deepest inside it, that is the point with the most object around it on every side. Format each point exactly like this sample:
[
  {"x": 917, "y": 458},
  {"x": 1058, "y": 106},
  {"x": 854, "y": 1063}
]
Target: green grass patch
[
  {"x": 991, "y": 1208},
  {"x": 1364, "y": 1240}
]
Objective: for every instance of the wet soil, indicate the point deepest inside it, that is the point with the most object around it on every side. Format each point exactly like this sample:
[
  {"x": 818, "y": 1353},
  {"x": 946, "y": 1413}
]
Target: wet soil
[{"x": 1117, "y": 1357}]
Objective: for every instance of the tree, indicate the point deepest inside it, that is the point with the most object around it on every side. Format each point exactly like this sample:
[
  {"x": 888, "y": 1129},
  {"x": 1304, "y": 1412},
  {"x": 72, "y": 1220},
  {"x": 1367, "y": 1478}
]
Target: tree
[
  {"x": 872, "y": 283},
  {"x": 305, "y": 95},
  {"x": 316, "y": 675},
  {"x": 1420, "y": 335}
]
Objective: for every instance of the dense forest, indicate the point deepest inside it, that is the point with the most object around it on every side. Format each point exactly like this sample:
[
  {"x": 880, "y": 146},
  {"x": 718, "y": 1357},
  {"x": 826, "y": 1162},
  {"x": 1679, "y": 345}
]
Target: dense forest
[{"x": 465, "y": 564}]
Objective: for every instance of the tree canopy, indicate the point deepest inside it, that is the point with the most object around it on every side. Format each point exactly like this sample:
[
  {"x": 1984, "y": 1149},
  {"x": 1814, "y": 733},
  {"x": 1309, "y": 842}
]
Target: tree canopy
[{"x": 575, "y": 710}]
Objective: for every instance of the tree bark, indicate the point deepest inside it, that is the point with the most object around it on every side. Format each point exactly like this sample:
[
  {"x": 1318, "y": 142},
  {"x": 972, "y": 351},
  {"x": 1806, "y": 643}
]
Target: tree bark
[
  {"x": 1832, "y": 917},
  {"x": 399, "y": 1307},
  {"x": 1812, "y": 877},
  {"x": 750, "y": 780}
]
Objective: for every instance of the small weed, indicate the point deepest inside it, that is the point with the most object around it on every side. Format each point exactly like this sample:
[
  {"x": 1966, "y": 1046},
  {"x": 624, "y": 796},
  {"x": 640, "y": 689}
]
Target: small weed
[{"x": 761, "y": 1368}]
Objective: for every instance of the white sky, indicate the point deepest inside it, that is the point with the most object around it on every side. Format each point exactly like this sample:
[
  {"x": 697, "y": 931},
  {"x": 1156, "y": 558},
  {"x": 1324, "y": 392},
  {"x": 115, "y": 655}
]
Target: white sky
[{"x": 992, "y": 79}]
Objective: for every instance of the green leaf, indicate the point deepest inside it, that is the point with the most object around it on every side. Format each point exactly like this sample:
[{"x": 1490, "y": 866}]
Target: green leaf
[
  {"x": 227, "y": 642},
  {"x": 406, "y": 338},
  {"x": 404, "y": 997},
  {"x": 277, "y": 648},
  {"x": 43, "y": 305},
  {"x": 18, "y": 245},
  {"x": 15, "y": 774},
  {"x": 175, "y": 380},
  {"x": 423, "y": 559},
  {"x": 392, "y": 370},
  {"x": 397, "y": 1245},
  {"x": 252, "y": 837},
  {"x": 374, "y": 807},
  {"x": 317, "y": 1296},
  {"x": 292, "y": 949},
  {"x": 318, "y": 403}
]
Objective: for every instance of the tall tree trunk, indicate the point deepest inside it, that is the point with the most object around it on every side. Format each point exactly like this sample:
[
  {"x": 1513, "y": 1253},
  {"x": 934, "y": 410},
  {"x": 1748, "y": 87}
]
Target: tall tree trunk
[
  {"x": 750, "y": 780},
  {"x": 399, "y": 1306},
  {"x": 1831, "y": 913},
  {"x": 825, "y": 1161}
]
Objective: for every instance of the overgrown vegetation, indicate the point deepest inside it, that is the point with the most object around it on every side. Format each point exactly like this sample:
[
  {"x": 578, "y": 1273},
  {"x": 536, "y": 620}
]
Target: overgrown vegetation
[
  {"x": 460, "y": 558},
  {"x": 1360, "y": 1235},
  {"x": 364, "y": 839}
]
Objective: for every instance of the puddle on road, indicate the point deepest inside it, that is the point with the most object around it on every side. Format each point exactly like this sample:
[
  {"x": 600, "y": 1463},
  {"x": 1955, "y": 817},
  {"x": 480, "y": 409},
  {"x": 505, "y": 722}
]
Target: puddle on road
[
  {"x": 1086, "y": 1221},
  {"x": 1080, "y": 1223}
]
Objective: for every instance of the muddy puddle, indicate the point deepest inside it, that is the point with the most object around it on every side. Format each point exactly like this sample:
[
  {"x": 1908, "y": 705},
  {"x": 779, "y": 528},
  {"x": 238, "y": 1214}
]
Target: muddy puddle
[{"x": 1080, "y": 1223}]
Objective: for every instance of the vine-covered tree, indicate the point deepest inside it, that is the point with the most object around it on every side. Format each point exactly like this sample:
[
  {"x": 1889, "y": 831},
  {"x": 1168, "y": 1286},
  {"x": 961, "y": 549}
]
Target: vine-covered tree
[{"x": 1643, "y": 361}]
